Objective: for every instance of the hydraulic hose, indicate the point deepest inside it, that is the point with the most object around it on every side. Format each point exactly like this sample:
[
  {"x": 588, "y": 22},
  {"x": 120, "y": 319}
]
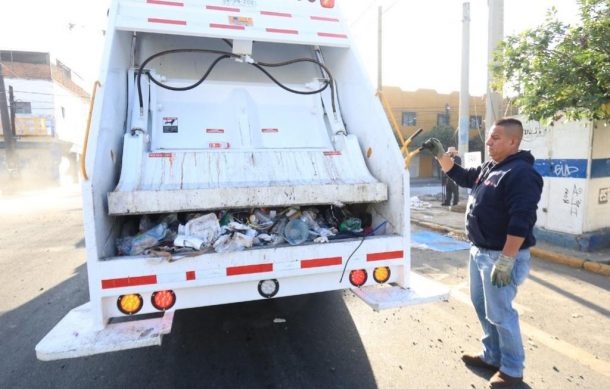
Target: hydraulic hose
[{"x": 225, "y": 55}]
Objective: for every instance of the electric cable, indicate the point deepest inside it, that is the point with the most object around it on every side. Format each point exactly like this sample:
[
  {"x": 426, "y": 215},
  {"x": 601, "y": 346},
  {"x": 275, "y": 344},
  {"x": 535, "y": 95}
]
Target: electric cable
[{"x": 357, "y": 247}]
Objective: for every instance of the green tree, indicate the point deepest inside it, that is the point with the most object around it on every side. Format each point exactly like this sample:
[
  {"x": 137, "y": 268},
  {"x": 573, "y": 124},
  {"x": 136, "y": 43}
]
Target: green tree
[{"x": 560, "y": 70}]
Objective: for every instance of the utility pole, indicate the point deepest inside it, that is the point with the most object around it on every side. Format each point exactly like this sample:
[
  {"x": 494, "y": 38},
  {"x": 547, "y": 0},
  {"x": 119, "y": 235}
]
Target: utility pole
[
  {"x": 9, "y": 140},
  {"x": 464, "y": 117},
  {"x": 379, "y": 46},
  {"x": 495, "y": 34}
]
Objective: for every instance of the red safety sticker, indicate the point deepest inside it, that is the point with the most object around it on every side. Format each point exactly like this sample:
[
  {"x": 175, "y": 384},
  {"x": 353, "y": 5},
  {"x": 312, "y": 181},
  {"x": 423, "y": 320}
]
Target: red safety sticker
[
  {"x": 332, "y": 153},
  {"x": 324, "y": 19},
  {"x": 227, "y": 26},
  {"x": 160, "y": 155},
  {"x": 280, "y": 14},
  {"x": 249, "y": 269},
  {"x": 399, "y": 254},
  {"x": 219, "y": 145},
  {"x": 215, "y": 130},
  {"x": 320, "y": 262},
  {"x": 190, "y": 275},
  {"x": 129, "y": 281},
  {"x": 281, "y": 31},
  {"x": 331, "y": 35},
  {"x": 163, "y": 2},
  {"x": 269, "y": 130},
  {"x": 167, "y": 21},
  {"x": 218, "y": 8}
]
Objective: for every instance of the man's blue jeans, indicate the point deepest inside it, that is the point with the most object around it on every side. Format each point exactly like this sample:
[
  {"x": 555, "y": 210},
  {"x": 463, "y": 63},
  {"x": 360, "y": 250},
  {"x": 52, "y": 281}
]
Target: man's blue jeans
[{"x": 502, "y": 344}]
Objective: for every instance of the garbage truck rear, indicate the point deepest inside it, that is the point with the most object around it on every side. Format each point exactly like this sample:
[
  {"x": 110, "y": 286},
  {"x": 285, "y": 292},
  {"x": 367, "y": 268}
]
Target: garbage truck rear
[{"x": 236, "y": 152}]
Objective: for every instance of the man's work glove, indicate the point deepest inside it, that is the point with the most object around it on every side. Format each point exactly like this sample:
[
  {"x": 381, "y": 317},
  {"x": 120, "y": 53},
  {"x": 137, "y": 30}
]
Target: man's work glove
[
  {"x": 435, "y": 146},
  {"x": 502, "y": 272}
]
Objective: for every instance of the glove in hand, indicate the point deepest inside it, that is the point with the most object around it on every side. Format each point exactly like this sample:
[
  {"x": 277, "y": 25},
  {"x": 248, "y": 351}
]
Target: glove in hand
[
  {"x": 502, "y": 272},
  {"x": 435, "y": 146}
]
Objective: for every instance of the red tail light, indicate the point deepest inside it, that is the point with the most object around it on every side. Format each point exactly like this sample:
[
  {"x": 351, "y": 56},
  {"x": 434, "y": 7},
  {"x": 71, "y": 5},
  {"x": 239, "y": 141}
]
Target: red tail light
[
  {"x": 163, "y": 299},
  {"x": 358, "y": 277},
  {"x": 327, "y": 3}
]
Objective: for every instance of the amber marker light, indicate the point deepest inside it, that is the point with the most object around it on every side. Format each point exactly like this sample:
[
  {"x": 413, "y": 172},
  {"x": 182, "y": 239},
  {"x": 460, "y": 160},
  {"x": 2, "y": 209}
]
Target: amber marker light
[
  {"x": 358, "y": 277},
  {"x": 129, "y": 303},
  {"x": 381, "y": 274},
  {"x": 163, "y": 299}
]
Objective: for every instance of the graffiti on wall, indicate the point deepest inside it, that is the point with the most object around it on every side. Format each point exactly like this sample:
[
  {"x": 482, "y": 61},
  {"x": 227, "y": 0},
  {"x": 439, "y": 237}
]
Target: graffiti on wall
[
  {"x": 562, "y": 168},
  {"x": 572, "y": 197}
]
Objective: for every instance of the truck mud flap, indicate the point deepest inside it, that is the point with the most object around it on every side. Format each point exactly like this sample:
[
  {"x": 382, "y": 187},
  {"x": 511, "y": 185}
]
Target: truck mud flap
[
  {"x": 75, "y": 335},
  {"x": 422, "y": 290}
]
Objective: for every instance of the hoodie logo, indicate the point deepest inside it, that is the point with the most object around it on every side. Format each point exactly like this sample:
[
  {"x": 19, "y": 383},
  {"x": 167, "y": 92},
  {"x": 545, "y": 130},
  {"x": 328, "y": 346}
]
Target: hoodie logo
[{"x": 494, "y": 178}]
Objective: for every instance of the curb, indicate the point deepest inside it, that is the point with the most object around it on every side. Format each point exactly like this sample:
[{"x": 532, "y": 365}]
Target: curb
[{"x": 546, "y": 255}]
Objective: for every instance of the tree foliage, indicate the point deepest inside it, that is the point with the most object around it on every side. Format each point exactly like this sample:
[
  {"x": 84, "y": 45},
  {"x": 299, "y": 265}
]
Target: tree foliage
[{"x": 560, "y": 70}]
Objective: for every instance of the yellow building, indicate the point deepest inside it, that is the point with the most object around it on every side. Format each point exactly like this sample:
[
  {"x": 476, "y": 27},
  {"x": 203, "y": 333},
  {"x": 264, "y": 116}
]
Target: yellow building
[{"x": 427, "y": 109}]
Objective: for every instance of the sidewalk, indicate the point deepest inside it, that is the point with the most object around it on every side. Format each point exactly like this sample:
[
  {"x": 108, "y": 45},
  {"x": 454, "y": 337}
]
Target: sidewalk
[{"x": 430, "y": 214}]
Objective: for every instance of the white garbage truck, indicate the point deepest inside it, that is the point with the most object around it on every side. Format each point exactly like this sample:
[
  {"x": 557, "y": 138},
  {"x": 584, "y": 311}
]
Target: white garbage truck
[{"x": 219, "y": 129}]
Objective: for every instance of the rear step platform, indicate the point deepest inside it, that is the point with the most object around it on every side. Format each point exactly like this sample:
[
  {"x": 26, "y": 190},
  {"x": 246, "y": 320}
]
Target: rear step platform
[
  {"x": 75, "y": 335},
  {"x": 422, "y": 290}
]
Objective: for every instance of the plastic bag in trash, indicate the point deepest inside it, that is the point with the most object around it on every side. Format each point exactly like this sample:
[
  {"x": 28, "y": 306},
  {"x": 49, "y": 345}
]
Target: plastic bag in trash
[
  {"x": 199, "y": 232},
  {"x": 233, "y": 242},
  {"x": 137, "y": 244},
  {"x": 351, "y": 224}
]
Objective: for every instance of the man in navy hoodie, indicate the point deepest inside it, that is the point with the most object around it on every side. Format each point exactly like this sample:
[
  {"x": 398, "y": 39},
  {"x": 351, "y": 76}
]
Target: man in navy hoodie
[{"x": 500, "y": 217}]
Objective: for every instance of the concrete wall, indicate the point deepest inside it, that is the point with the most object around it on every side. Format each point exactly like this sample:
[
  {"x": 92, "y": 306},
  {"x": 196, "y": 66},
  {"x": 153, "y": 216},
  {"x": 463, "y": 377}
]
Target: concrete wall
[
  {"x": 574, "y": 159},
  {"x": 598, "y": 199}
]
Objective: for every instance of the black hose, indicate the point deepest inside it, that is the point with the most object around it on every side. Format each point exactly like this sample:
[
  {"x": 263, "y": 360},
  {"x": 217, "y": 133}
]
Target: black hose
[{"x": 224, "y": 55}]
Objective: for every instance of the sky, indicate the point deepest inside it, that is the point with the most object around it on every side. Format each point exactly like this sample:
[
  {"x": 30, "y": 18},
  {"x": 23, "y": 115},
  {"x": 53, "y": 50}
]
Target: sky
[{"x": 421, "y": 38}]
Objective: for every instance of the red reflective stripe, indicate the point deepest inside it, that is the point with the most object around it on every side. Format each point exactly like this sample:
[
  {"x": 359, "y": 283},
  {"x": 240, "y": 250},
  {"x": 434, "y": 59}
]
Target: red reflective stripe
[
  {"x": 160, "y": 155},
  {"x": 385, "y": 255},
  {"x": 217, "y": 8},
  {"x": 330, "y": 35},
  {"x": 332, "y": 153},
  {"x": 228, "y": 26},
  {"x": 249, "y": 269},
  {"x": 324, "y": 19},
  {"x": 129, "y": 281},
  {"x": 167, "y": 21},
  {"x": 162, "y": 2},
  {"x": 269, "y": 130},
  {"x": 282, "y": 14},
  {"x": 190, "y": 275},
  {"x": 319, "y": 262},
  {"x": 215, "y": 131},
  {"x": 281, "y": 31}
]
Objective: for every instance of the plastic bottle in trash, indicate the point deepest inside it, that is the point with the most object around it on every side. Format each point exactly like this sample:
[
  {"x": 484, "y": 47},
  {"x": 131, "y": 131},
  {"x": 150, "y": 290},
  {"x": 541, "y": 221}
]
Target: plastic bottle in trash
[{"x": 296, "y": 232}]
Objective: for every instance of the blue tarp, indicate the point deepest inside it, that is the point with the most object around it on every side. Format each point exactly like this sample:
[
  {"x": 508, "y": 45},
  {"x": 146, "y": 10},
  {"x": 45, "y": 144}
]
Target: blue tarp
[{"x": 438, "y": 242}]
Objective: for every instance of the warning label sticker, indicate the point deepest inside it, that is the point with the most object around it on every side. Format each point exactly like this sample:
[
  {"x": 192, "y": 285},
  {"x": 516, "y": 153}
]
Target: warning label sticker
[{"x": 170, "y": 125}]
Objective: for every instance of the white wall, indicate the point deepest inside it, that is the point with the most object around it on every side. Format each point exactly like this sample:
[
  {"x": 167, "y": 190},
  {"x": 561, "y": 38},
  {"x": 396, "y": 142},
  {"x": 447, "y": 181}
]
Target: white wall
[
  {"x": 41, "y": 96},
  {"x": 70, "y": 124},
  {"x": 598, "y": 199}
]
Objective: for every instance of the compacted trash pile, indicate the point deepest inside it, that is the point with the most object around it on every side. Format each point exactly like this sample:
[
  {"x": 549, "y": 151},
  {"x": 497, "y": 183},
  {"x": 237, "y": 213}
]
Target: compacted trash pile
[{"x": 227, "y": 231}]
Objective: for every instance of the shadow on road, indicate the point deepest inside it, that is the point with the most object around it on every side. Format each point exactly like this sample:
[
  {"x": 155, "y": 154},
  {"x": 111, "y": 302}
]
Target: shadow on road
[{"x": 235, "y": 345}]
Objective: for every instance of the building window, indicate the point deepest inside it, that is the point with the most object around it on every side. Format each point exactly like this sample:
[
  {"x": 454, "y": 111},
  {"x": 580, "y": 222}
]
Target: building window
[
  {"x": 475, "y": 122},
  {"x": 23, "y": 107},
  {"x": 442, "y": 119},
  {"x": 409, "y": 119}
]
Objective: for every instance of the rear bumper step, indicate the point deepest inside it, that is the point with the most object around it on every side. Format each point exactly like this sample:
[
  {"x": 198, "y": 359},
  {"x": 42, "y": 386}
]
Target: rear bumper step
[
  {"x": 75, "y": 335},
  {"x": 422, "y": 290}
]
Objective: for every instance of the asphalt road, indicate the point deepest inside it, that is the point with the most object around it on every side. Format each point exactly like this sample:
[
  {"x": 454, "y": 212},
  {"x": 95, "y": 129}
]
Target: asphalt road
[{"x": 328, "y": 340}]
